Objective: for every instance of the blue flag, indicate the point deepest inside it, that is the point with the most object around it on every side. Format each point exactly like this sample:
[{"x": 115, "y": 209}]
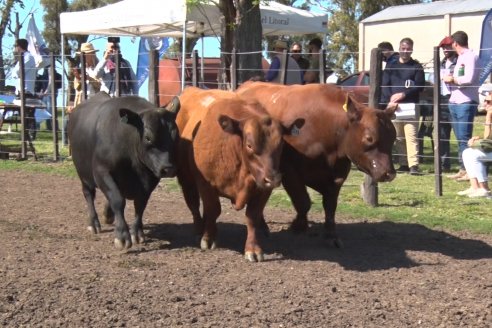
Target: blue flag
[
  {"x": 485, "y": 55},
  {"x": 147, "y": 44}
]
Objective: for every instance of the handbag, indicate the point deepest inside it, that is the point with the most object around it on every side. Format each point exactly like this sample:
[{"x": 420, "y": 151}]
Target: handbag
[{"x": 406, "y": 111}]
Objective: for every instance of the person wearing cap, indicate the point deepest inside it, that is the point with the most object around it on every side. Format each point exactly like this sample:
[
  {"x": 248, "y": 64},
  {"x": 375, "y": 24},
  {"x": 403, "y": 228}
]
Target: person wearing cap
[
  {"x": 463, "y": 102},
  {"x": 92, "y": 81},
  {"x": 474, "y": 156},
  {"x": 447, "y": 65},
  {"x": 293, "y": 74},
  {"x": 312, "y": 73},
  {"x": 106, "y": 71},
  {"x": 388, "y": 53},
  {"x": 30, "y": 70}
]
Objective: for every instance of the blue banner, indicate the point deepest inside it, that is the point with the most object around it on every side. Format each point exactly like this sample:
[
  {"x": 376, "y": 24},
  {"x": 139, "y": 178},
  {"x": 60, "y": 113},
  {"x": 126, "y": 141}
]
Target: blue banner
[
  {"x": 147, "y": 44},
  {"x": 485, "y": 55}
]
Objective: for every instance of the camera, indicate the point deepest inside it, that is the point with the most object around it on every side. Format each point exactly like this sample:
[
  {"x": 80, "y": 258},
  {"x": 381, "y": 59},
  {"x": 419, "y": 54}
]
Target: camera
[{"x": 114, "y": 39}]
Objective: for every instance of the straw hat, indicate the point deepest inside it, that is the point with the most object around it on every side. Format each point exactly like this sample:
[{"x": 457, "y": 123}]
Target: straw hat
[
  {"x": 280, "y": 44},
  {"x": 87, "y": 48}
]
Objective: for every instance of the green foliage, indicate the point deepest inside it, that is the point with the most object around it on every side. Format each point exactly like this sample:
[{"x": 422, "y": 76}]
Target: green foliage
[{"x": 344, "y": 16}]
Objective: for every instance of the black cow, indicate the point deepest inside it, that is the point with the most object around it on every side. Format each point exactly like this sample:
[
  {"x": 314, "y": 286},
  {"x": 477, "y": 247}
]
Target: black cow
[{"x": 122, "y": 146}]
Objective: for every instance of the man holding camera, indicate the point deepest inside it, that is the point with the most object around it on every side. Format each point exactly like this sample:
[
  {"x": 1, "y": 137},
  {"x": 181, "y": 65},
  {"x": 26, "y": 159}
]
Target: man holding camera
[{"x": 106, "y": 71}]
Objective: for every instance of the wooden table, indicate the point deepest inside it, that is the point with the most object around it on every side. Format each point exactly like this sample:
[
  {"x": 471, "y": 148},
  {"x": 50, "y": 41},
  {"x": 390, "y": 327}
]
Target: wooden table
[{"x": 16, "y": 118}]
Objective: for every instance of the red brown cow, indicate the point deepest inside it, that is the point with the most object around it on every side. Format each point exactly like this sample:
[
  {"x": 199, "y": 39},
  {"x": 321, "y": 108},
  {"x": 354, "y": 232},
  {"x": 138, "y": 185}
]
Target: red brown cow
[
  {"x": 338, "y": 130},
  {"x": 229, "y": 148}
]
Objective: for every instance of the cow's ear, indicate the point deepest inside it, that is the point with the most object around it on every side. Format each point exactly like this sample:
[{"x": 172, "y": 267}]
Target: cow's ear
[
  {"x": 173, "y": 106},
  {"x": 128, "y": 116},
  {"x": 294, "y": 128},
  {"x": 353, "y": 111},
  {"x": 390, "y": 112},
  {"x": 230, "y": 125}
]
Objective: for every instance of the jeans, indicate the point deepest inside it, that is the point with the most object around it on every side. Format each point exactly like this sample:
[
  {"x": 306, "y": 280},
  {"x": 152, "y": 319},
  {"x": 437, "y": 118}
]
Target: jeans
[{"x": 462, "y": 116}]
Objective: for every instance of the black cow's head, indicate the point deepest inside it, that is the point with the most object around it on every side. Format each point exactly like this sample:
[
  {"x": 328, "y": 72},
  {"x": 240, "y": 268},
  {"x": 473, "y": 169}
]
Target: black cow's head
[
  {"x": 369, "y": 139},
  {"x": 158, "y": 136}
]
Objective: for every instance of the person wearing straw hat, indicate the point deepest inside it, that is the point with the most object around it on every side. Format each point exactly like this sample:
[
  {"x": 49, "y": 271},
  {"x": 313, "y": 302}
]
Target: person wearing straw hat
[
  {"x": 293, "y": 71},
  {"x": 480, "y": 150},
  {"x": 92, "y": 81}
]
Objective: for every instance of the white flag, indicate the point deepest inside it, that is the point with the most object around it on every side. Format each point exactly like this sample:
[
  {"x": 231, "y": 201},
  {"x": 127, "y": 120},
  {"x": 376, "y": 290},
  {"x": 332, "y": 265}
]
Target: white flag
[{"x": 37, "y": 46}]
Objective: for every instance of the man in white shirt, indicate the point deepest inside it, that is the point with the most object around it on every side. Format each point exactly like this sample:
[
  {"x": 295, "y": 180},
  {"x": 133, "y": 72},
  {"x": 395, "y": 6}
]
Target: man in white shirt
[{"x": 20, "y": 47}]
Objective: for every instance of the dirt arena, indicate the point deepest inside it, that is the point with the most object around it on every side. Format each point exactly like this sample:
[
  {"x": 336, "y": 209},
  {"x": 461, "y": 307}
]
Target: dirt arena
[{"x": 53, "y": 273}]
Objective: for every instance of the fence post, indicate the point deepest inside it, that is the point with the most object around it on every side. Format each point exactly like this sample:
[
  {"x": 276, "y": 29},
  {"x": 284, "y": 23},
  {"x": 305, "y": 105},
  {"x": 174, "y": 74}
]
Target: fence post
[
  {"x": 234, "y": 69},
  {"x": 117, "y": 75},
  {"x": 284, "y": 65},
  {"x": 83, "y": 76},
  {"x": 369, "y": 188},
  {"x": 54, "y": 111},
  {"x": 322, "y": 65},
  {"x": 154, "y": 77},
  {"x": 194, "y": 68},
  {"x": 22, "y": 77},
  {"x": 437, "y": 123}
]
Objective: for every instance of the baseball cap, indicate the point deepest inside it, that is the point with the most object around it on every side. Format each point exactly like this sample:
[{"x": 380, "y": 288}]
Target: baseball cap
[{"x": 447, "y": 41}]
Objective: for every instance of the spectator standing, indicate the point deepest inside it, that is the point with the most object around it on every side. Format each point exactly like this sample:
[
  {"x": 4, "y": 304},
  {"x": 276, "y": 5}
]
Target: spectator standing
[
  {"x": 463, "y": 101},
  {"x": 293, "y": 70},
  {"x": 312, "y": 73},
  {"x": 473, "y": 159},
  {"x": 448, "y": 63},
  {"x": 388, "y": 53},
  {"x": 296, "y": 53},
  {"x": 92, "y": 81},
  {"x": 106, "y": 71},
  {"x": 20, "y": 47},
  {"x": 402, "y": 83}
]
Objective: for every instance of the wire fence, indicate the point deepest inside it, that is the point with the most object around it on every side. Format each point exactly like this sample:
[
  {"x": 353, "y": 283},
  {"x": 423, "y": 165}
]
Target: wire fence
[{"x": 209, "y": 73}]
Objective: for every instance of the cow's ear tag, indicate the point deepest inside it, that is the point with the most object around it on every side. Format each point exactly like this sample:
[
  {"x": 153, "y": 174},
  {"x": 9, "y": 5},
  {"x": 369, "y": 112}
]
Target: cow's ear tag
[
  {"x": 345, "y": 109},
  {"x": 124, "y": 119},
  {"x": 295, "y": 131}
]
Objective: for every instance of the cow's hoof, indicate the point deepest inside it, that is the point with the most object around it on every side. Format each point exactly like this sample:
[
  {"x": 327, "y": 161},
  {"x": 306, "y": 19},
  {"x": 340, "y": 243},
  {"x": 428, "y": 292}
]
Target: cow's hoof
[
  {"x": 299, "y": 226},
  {"x": 205, "y": 244},
  {"x": 254, "y": 257},
  {"x": 122, "y": 244},
  {"x": 139, "y": 238}
]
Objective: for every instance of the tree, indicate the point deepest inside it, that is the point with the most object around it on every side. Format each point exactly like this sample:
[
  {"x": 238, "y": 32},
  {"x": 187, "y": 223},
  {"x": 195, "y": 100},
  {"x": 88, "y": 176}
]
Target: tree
[
  {"x": 6, "y": 7},
  {"x": 342, "y": 42}
]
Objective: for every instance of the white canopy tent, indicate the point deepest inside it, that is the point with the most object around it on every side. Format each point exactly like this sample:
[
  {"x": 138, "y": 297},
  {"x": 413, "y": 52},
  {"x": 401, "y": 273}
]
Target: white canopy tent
[
  {"x": 173, "y": 18},
  {"x": 151, "y": 18}
]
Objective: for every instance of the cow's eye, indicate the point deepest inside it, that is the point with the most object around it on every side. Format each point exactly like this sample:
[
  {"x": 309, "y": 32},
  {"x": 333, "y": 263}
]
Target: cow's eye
[{"x": 148, "y": 139}]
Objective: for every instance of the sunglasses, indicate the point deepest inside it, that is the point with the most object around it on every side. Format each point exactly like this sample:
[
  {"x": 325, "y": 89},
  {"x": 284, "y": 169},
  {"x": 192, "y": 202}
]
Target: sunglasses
[{"x": 296, "y": 51}]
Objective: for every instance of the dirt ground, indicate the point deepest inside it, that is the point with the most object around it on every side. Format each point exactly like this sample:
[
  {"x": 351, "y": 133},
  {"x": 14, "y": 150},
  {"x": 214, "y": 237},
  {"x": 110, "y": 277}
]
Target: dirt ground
[{"x": 54, "y": 273}]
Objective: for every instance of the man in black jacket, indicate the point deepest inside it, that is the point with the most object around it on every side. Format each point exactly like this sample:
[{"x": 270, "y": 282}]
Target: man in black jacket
[{"x": 402, "y": 83}]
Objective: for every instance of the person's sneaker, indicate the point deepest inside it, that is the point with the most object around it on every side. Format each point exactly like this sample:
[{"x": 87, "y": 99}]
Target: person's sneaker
[
  {"x": 414, "y": 170},
  {"x": 403, "y": 168},
  {"x": 466, "y": 192},
  {"x": 460, "y": 174},
  {"x": 480, "y": 192}
]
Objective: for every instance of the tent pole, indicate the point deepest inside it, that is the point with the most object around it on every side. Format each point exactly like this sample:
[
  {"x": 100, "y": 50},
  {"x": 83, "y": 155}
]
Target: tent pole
[{"x": 183, "y": 57}]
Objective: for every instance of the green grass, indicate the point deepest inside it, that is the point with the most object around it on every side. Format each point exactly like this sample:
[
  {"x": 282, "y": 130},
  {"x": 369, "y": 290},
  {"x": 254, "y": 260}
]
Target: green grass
[{"x": 407, "y": 199}]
